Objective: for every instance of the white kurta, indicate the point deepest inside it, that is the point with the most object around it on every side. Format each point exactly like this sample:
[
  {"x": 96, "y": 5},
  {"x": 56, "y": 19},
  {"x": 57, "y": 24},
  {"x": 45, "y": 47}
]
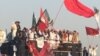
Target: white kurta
[
  {"x": 2, "y": 37},
  {"x": 40, "y": 42},
  {"x": 31, "y": 35},
  {"x": 14, "y": 30},
  {"x": 90, "y": 51},
  {"x": 52, "y": 40},
  {"x": 93, "y": 52},
  {"x": 70, "y": 37}
]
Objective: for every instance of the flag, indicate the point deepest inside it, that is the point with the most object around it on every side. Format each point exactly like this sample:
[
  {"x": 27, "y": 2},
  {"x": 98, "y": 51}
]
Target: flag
[
  {"x": 47, "y": 15},
  {"x": 85, "y": 8},
  {"x": 78, "y": 8},
  {"x": 44, "y": 51},
  {"x": 43, "y": 20},
  {"x": 92, "y": 31},
  {"x": 41, "y": 26},
  {"x": 33, "y": 20},
  {"x": 41, "y": 13}
]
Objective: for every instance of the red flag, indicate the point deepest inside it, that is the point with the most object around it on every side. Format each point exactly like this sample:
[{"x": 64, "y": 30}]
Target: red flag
[
  {"x": 92, "y": 31},
  {"x": 42, "y": 26},
  {"x": 76, "y": 7},
  {"x": 43, "y": 21},
  {"x": 85, "y": 8},
  {"x": 41, "y": 13}
]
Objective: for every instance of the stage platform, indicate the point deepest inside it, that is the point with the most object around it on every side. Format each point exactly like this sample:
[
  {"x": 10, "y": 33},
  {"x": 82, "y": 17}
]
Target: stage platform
[{"x": 68, "y": 48}]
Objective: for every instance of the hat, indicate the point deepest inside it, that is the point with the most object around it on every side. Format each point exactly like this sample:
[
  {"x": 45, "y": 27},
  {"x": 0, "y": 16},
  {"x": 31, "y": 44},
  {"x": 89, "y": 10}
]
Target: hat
[{"x": 17, "y": 22}]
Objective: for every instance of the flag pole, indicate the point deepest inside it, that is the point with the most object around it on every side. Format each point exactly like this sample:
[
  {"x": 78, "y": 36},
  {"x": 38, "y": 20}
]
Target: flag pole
[
  {"x": 58, "y": 13},
  {"x": 97, "y": 21},
  {"x": 97, "y": 18}
]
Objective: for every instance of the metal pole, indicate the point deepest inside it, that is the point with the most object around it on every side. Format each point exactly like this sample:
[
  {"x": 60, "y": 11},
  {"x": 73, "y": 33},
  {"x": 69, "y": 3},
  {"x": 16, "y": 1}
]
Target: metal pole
[{"x": 97, "y": 22}]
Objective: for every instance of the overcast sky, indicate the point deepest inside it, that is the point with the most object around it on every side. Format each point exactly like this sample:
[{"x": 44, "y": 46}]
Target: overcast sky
[{"x": 22, "y": 10}]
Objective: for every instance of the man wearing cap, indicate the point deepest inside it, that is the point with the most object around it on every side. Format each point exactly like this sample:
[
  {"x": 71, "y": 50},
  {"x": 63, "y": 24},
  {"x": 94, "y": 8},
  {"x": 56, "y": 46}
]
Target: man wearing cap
[{"x": 15, "y": 27}]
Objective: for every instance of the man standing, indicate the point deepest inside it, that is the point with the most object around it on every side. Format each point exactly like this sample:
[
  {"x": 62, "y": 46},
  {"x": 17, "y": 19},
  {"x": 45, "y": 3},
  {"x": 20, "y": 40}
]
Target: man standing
[
  {"x": 15, "y": 28},
  {"x": 90, "y": 50},
  {"x": 2, "y": 40},
  {"x": 2, "y": 37},
  {"x": 85, "y": 52},
  {"x": 18, "y": 26},
  {"x": 93, "y": 52}
]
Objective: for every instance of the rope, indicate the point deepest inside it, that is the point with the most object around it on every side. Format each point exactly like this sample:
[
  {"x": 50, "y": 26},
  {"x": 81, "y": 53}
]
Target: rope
[{"x": 58, "y": 13}]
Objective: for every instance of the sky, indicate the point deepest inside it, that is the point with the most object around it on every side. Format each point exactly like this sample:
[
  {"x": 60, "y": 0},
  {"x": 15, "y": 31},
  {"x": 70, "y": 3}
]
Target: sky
[{"x": 22, "y": 10}]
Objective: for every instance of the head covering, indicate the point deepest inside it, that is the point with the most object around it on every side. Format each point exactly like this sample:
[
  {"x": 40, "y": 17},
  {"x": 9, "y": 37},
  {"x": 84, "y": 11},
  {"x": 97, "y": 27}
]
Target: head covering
[{"x": 17, "y": 21}]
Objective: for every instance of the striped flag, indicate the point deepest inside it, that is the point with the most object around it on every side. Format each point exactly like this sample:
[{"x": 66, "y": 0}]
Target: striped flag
[
  {"x": 43, "y": 21},
  {"x": 46, "y": 14}
]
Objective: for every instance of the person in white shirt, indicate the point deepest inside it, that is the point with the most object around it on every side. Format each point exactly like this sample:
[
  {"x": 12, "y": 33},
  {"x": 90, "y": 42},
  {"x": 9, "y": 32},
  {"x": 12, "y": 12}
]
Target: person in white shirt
[
  {"x": 46, "y": 34},
  {"x": 90, "y": 50},
  {"x": 40, "y": 42},
  {"x": 2, "y": 36},
  {"x": 57, "y": 40},
  {"x": 75, "y": 38},
  {"x": 64, "y": 37},
  {"x": 52, "y": 39},
  {"x": 31, "y": 34},
  {"x": 93, "y": 52},
  {"x": 13, "y": 30},
  {"x": 2, "y": 40},
  {"x": 70, "y": 37}
]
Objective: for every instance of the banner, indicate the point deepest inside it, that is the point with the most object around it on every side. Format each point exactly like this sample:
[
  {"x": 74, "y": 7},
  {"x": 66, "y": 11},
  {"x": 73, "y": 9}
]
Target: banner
[{"x": 35, "y": 52}]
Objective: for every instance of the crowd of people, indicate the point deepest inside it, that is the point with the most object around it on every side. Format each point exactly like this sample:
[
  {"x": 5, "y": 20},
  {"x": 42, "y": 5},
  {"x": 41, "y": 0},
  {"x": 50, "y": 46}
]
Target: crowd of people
[
  {"x": 33, "y": 42},
  {"x": 91, "y": 51}
]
